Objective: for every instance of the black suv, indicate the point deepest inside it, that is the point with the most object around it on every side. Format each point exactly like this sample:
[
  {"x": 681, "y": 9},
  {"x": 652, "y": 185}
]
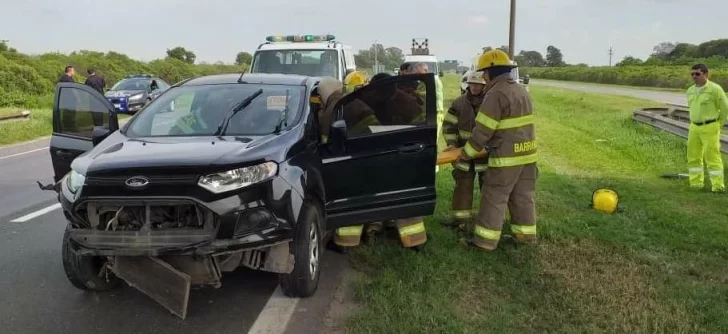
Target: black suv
[
  {"x": 229, "y": 170},
  {"x": 135, "y": 91}
]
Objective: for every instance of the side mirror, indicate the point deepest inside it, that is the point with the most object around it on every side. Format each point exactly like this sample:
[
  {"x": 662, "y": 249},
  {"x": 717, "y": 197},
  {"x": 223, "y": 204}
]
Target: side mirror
[
  {"x": 99, "y": 133},
  {"x": 337, "y": 137},
  {"x": 441, "y": 73}
]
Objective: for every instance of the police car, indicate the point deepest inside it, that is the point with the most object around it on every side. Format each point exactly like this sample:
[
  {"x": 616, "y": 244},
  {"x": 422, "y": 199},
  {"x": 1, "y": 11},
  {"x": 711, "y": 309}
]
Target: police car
[
  {"x": 310, "y": 55},
  {"x": 134, "y": 91}
]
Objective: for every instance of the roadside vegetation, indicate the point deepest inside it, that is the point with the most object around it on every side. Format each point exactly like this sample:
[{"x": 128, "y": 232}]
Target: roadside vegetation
[
  {"x": 658, "y": 266},
  {"x": 667, "y": 67}
]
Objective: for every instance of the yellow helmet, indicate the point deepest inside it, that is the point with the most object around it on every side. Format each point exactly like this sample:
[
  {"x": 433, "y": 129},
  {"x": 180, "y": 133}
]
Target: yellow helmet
[
  {"x": 494, "y": 58},
  {"x": 605, "y": 200},
  {"x": 355, "y": 79}
]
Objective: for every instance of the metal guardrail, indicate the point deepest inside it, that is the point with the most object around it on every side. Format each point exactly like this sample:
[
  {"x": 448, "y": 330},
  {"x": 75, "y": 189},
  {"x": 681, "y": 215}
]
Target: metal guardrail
[{"x": 673, "y": 119}]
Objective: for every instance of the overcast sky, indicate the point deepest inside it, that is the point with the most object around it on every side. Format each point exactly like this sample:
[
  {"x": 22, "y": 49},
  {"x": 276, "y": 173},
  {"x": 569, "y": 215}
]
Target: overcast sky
[{"x": 457, "y": 29}]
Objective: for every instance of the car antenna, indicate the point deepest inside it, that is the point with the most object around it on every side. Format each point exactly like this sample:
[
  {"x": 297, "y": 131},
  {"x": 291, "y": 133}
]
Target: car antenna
[
  {"x": 240, "y": 106},
  {"x": 284, "y": 116}
]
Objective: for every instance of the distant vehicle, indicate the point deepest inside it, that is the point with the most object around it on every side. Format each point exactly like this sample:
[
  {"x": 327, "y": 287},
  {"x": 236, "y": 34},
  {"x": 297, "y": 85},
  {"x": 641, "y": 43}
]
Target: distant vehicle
[
  {"x": 309, "y": 55},
  {"x": 228, "y": 171},
  {"x": 135, "y": 91},
  {"x": 420, "y": 53}
]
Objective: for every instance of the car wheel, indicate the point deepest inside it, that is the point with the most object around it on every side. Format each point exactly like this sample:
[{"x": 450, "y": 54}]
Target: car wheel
[
  {"x": 86, "y": 272},
  {"x": 306, "y": 250}
]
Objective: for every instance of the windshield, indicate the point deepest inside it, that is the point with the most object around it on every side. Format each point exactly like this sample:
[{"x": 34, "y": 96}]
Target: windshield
[
  {"x": 431, "y": 66},
  {"x": 132, "y": 84},
  {"x": 199, "y": 110},
  {"x": 317, "y": 63}
]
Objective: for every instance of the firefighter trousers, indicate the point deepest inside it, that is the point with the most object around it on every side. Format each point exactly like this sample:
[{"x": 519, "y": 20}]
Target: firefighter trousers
[
  {"x": 462, "y": 198},
  {"x": 512, "y": 188},
  {"x": 704, "y": 144},
  {"x": 411, "y": 232}
]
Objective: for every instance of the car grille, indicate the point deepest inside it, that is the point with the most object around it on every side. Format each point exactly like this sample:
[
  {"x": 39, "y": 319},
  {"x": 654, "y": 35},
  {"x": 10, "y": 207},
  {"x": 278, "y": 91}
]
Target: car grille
[{"x": 154, "y": 180}]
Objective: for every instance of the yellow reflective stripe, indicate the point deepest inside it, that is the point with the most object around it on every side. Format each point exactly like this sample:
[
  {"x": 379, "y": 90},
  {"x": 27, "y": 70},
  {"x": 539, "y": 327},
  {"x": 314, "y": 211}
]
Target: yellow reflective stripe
[
  {"x": 480, "y": 168},
  {"x": 516, "y": 122},
  {"x": 512, "y": 161},
  {"x": 324, "y": 138},
  {"x": 486, "y": 233},
  {"x": 524, "y": 229},
  {"x": 508, "y": 123},
  {"x": 469, "y": 150},
  {"x": 451, "y": 136},
  {"x": 461, "y": 213},
  {"x": 465, "y": 134},
  {"x": 450, "y": 118},
  {"x": 463, "y": 166},
  {"x": 486, "y": 121},
  {"x": 412, "y": 229},
  {"x": 350, "y": 231}
]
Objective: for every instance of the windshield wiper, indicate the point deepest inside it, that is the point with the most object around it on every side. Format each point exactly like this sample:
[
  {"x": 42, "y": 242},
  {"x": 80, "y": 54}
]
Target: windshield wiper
[
  {"x": 283, "y": 121},
  {"x": 240, "y": 106}
]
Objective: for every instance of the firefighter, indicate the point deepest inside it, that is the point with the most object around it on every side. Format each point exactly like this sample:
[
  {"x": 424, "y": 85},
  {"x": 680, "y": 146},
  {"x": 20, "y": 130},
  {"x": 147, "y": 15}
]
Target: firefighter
[
  {"x": 457, "y": 127},
  {"x": 505, "y": 124},
  {"x": 360, "y": 116},
  {"x": 708, "y": 111}
]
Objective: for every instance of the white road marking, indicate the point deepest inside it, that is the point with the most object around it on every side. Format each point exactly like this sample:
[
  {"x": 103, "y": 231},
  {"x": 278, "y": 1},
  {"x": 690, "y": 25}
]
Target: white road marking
[
  {"x": 22, "y": 153},
  {"x": 275, "y": 315},
  {"x": 36, "y": 213}
]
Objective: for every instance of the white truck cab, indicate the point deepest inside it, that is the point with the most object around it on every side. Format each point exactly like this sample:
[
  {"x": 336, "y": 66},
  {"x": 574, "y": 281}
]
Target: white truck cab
[
  {"x": 311, "y": 55},
  {"x": 420, "y": 53}
]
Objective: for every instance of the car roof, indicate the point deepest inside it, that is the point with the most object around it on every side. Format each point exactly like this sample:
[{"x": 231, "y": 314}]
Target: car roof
[
  {"x": 253, "y": 78},
  {"x": 302, "y": 46}
]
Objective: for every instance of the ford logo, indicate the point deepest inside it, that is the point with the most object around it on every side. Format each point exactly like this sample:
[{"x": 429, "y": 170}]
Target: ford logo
[{"x": 136, "y": 182}]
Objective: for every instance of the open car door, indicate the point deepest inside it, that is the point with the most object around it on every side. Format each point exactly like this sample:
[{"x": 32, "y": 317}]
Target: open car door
[
  {"x": 80, "y": 115},
  {"x": 385, "y": 169}
]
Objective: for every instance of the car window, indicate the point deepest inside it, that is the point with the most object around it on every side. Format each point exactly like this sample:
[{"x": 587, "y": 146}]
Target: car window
[
  {"x": 199, "y": 110},
  {"x": 132, "y": 84},
  {"x": 80, "y": 111},
  {"x": 303, "y": 62},
  {"x": 389, "y": 107}
]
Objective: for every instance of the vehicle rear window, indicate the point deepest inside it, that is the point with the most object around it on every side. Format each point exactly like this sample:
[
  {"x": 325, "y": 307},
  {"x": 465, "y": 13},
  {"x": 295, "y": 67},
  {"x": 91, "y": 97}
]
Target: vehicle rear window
[{"x": 199, "y": 110}]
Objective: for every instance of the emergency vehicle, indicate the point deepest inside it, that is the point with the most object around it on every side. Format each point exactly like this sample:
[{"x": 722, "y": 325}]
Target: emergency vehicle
[
  {"x": 420, "y": 53},
  {"x": 309, "y": 55}
]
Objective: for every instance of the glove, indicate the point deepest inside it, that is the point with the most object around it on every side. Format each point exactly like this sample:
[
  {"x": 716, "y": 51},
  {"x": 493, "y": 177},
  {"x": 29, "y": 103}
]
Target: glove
[{"x": 449, "y": 148}]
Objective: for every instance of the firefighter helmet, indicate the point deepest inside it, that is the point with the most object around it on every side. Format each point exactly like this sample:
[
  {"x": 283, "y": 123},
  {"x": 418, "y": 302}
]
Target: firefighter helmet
[
  {"x": 355, "y": 79},
  {"x": 494, "y": 58},
  {"x": 605, "y": 200},
  {"x": 476, "y": 78}
]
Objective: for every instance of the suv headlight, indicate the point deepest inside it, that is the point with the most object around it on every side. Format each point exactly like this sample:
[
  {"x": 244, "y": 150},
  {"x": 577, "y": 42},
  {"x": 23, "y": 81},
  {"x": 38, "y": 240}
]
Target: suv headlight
[
  {"x": 75, "y": 181},
  {"x": 136, "y": 97},
  {"x": 238, "y": 178}
]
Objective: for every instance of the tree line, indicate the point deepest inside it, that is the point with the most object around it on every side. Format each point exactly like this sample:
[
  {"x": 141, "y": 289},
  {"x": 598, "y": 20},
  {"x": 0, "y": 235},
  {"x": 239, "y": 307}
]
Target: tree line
[{"x": 714, "y": 53}]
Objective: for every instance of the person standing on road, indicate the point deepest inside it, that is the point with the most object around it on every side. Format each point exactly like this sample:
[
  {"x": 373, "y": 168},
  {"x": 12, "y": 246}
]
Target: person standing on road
[
  {"x": 67, "y": 75},
  {"x": 504, "y": 127},
  {"x": 457, "y": 129},
  {"x": 94, "y": 81},
  {"x": 708, "y": 107}
]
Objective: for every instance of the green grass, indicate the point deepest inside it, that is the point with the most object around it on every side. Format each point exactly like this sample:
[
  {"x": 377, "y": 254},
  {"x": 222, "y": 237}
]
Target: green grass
[
  {"x": 38, "y": 124},
  {"x": 660, "y": 265}
]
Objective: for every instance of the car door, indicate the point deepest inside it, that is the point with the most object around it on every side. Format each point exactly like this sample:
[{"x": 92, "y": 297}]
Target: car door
[
  {"x": 78, "y": 111},
  {"x": 388, "y": 173}
]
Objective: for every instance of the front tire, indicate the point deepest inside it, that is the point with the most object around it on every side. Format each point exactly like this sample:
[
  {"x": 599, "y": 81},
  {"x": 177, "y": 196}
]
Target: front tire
[
  {"x": 88, "y": 273},
  {"x": 306, "y": 248}
]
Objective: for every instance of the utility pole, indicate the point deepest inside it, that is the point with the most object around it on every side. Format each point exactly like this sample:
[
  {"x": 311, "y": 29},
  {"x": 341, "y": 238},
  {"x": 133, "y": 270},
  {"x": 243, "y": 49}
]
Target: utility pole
[
  {"x": 376, "y": 62},
  {"x": 512, "y": 33},
  {"x": 611, "y": 52}
]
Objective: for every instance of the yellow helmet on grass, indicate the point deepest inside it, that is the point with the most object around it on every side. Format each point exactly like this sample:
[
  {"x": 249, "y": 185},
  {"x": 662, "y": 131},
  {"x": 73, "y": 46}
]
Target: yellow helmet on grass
[{"x": 605, "y": 200}]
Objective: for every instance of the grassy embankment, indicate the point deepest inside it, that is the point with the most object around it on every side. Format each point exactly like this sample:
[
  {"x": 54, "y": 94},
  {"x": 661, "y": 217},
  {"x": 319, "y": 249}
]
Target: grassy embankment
[{"x": 658, "y": 266}]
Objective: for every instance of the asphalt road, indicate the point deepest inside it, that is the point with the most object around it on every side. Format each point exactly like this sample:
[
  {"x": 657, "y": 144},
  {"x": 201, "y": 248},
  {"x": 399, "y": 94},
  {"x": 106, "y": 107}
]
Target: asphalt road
[
  {"x": 37, "y": 298},
  {"x": 659, "y": 96}
]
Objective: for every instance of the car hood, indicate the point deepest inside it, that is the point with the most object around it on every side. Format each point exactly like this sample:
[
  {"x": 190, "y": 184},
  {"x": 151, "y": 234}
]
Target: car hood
[
  {"x": 119, "y": 154},
  {"x": 118, "y": 93}
]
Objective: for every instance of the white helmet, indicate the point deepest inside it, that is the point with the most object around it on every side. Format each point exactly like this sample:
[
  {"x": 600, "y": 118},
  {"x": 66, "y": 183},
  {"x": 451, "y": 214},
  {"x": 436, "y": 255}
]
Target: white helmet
[{"x": 475, "y": 77}]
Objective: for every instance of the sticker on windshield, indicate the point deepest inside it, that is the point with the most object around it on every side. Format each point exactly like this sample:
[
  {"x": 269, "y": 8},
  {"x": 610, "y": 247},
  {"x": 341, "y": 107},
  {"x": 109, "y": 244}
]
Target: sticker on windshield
[{"x": 276, "y": 102}]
